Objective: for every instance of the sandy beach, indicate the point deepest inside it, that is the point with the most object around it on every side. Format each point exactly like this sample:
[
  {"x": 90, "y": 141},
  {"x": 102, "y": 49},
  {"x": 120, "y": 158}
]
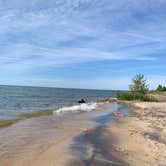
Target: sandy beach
[
  {"x": 57, "y": 140},
  {"x": 141, "y": 137},
  {"x": 106, "y": 136}
]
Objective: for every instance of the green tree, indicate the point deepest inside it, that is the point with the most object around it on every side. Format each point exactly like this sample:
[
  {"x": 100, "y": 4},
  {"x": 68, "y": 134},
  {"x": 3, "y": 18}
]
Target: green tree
[{"x": 139, "y": 84}]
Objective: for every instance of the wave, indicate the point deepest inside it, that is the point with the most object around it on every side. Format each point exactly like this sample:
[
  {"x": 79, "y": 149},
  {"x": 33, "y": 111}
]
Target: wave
[{"x": 76, "y": 108}]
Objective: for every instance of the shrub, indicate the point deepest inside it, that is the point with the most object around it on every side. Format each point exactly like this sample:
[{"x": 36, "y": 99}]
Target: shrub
[
  {"x": 134, "y": 96},
  {"x": 138, "y": 90},
  {"x": 161, "y": 88}
]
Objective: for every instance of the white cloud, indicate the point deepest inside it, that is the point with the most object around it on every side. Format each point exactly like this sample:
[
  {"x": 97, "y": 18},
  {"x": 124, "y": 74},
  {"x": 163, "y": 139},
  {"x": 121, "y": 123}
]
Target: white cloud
[{"x": 42, "y": 34}]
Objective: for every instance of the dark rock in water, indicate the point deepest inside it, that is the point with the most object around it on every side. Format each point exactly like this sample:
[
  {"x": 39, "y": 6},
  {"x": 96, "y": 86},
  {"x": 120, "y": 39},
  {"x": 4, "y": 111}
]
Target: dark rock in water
[{"x": 81, "y": 101}]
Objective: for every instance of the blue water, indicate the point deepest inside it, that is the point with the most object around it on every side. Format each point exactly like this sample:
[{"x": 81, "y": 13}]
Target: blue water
[{"x": 18, "y": 100}]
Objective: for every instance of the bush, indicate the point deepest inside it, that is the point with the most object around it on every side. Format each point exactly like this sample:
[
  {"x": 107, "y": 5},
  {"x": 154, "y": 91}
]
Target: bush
[
  {"x": 134, "y": 96},
  {"x": 161, "y": 88},
  {"x": 138, "y": 90}
]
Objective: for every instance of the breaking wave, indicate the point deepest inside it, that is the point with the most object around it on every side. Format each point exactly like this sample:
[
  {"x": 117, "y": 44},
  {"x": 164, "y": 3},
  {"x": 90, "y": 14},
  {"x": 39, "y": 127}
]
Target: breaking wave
[{"x": 76, "y": 108}]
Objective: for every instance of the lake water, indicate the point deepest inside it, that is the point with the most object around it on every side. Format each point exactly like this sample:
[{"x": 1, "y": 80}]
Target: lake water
[{"x": 18, "y": 100}]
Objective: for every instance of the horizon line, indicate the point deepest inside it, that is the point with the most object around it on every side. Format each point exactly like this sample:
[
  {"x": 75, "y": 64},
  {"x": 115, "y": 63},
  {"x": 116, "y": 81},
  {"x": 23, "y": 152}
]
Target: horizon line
[{"x": 35, "y": 86}]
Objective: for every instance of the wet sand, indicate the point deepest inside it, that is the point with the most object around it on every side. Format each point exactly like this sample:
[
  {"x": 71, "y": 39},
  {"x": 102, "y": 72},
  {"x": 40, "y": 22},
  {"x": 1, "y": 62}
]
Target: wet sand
[{"x": 58, "y": 140}]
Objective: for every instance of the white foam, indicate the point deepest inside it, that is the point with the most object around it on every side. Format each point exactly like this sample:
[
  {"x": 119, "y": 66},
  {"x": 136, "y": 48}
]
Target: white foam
[{"x": 81, "y": 107}]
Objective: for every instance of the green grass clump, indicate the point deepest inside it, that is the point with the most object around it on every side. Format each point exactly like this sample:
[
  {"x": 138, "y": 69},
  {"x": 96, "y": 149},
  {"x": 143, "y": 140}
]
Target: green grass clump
[{"x": 135, "y": 96}]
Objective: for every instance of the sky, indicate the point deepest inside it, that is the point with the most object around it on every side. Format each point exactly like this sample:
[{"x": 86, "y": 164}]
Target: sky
[{"x": 91, "y": 44}]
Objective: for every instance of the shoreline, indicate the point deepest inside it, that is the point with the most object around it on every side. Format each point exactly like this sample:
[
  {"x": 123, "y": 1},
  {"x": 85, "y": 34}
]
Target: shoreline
[
  {"x": 50, "y": 139},
  {"x": 9, "y": 122}
]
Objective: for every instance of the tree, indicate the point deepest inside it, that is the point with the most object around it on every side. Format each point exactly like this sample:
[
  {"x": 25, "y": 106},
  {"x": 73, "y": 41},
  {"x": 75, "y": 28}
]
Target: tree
[{"x": 139, "y": 84}]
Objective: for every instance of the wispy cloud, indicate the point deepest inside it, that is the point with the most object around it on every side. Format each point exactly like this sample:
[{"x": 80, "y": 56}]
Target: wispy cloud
[
  {"x": 43, "y": 34},
  {"x": 25, "y": 56}
]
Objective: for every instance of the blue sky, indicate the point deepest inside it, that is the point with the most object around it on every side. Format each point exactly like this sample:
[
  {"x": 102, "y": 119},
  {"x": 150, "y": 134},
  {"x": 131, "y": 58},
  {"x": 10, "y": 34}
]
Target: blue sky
[{"x": 82, "y": 43}]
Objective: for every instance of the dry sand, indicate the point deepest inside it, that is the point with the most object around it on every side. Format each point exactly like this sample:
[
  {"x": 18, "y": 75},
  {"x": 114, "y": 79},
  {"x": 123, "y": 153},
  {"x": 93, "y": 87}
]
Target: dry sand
[{"x": 141, "y": 138}]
